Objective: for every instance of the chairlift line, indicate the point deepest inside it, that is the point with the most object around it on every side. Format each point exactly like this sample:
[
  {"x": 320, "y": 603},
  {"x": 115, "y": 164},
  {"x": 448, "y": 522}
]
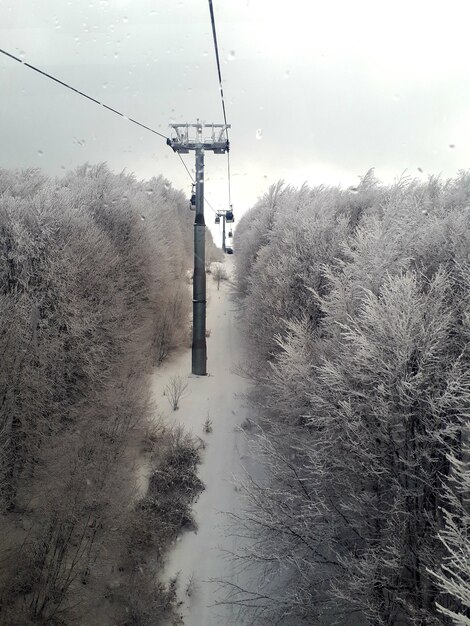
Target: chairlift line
[
  {"x": 182, "y": 143},
  {"x": 102, "y": 104},
  {"x": 134, "y": 121},
  {"x": 81, "y": 93},
  {"x": 219, "y": 73}
]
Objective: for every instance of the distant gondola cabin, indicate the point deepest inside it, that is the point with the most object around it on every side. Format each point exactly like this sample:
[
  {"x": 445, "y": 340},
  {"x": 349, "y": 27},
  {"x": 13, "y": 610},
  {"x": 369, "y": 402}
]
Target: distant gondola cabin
[{"x": 192, "y": 201}]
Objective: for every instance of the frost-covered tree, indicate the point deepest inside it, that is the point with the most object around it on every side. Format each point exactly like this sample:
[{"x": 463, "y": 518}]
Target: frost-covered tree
[
  {"x": 453, "y": 577},
  {"x": 357, "y": 307},
  {"x": 91, "y": 271}
]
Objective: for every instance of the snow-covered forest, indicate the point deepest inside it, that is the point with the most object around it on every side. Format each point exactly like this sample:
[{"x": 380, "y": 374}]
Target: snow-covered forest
[
  {"x": 354, "y": 310},
  {"x": 356, "y": 305},
  {"x": 93, "y": 295}
]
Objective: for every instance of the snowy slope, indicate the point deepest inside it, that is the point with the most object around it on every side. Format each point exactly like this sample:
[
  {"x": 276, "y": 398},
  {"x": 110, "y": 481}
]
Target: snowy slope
[{"x": 198, "y": 557}]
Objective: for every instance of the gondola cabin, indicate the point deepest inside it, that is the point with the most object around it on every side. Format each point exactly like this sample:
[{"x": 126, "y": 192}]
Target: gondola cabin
[
  {"x": 192, "y": 201},
  {"x": 217, "y": 219},
  {"x": 229, "y": 217}
]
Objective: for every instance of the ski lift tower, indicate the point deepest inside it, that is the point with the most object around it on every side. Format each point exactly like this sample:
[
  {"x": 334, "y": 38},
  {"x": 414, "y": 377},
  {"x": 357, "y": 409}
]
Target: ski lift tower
[
  {"x": 221, "y": 214},
  {"x": 188, "y": 137},
  {"x": 227, "y": 217}
]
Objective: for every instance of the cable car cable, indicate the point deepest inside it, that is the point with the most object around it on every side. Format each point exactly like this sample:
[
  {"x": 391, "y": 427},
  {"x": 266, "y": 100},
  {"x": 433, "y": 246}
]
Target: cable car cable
[
  {"x": 217, "y": 58},
  {"x": 228, "y": 177},
  {"x": 105, "y": 106},
  {"x": 81, "y": 93},
  {"x": 214, "y": 35},
  {"x": 193, "y": 181},
  {"x": 186, "y": 167}
]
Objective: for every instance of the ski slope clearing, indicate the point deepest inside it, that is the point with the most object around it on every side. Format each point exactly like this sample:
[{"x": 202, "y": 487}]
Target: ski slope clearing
[{"x": 199, "y": 558}]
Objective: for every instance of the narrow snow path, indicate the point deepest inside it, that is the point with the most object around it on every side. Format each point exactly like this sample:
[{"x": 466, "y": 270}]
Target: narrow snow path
[{"x": 198, "y": 557}]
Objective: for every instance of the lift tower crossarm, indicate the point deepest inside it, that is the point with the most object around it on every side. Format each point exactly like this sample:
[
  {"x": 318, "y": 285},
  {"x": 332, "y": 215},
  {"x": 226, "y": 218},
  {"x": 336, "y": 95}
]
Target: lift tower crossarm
[{"x": 184, "y": 141}]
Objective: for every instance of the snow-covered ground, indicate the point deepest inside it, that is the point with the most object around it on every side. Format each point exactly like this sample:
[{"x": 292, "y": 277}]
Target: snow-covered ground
[{"x": 199, "y": 558}]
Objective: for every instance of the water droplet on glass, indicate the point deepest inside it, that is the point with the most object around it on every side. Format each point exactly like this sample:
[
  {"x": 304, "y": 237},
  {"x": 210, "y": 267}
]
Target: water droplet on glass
[
  {"x": 21, "y": 54},
  {"x": 259, "y": 134},
  {"x": 451, "y": 145},
  {"x": 40, "y": 153},
  {"x": 125, "y": 19},
  {"x": 396, "y": 96},
  {"x": 420, "y": 169},
  {"x": 116, "y": 55},
  {"x": 204, "y": 54},
  {"x": 231, "y": 55},
  {"x": 287, "y": 74},
  {"x": 105, "y": 85}
]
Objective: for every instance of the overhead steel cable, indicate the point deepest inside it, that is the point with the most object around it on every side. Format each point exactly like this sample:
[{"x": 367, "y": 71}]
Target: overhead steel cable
[
  {"x": 81, "y": 93},
  {"x": 105, "y": 106},
  {"x": 193, "y": 181},
  {"x": 186, "y": 167},
  {"x": 228, "y": 177},
  {"x": 219, "y": 73},
  {"x": 210, "y": 205},
  {"x": 217, "y": 58}
]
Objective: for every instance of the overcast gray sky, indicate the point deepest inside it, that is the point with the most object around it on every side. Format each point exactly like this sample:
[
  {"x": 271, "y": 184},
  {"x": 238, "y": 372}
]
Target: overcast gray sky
[{"x": 316, "y": 91}]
